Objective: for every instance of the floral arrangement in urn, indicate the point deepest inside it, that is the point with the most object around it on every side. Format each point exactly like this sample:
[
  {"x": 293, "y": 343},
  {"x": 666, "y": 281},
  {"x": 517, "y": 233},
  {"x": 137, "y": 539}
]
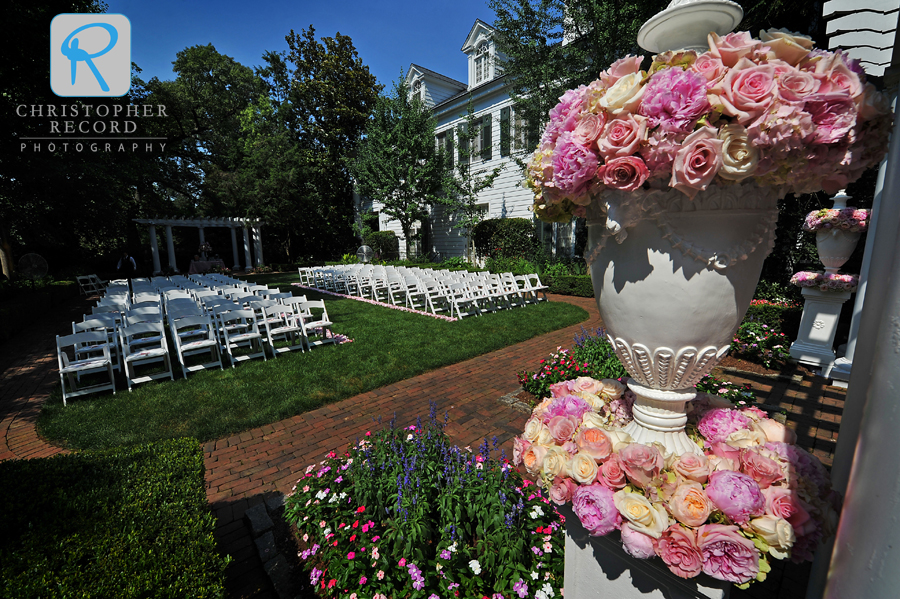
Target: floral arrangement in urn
[
  {"x": 204, "y": 248},
  {"x": 852, "y": 220},
  {"x": 774, "y": 110},
  {"x": 750, "y": 495},
  {"x": 825, "y": 281}
]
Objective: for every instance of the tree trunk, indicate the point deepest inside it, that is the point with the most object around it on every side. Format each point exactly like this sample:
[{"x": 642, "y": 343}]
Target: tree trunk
[{"x": 6, "y": 258}]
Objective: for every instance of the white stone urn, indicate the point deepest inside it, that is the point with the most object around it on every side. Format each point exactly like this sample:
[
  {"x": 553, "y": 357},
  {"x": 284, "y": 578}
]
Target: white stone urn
[
  {"x": 674, "y": 278},
  {"x": 835, "y": 246}
]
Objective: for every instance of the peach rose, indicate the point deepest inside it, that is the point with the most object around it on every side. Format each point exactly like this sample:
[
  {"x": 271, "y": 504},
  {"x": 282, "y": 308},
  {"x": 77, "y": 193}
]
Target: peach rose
[
  {"x": 775, "y": 432},
  {"x": 612, "y": 389},
  {"x": 533, "y": 458},
  {"x": 582, "y": 467},
  {"x": 690, "y": 504},
  {"x": 587, "y": 385},
  {"x": 739, "y": 157},
  {"x": 642, "y": 516},
  {"x": 777, "y": 533},
  {"x": 763, "y": 470},
  {"x": 555, "y": 461},
  {"x": 692, "y": 466},
  {"x": 786, "y": 45},
  {"x": 594, "y": 442},
  {"x": 731, "y": 48}
]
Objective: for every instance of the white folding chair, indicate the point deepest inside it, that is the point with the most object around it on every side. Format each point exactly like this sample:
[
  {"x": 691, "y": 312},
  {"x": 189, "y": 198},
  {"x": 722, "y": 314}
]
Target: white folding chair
[
  {"x": 106, "y": 324},
  {"x": 281, "y": 324},
  {"x": 240, "y": 329},
  {"x": 142, "y": 344},
  {"x": 459, "y": 297},
  {"x": 71, "y": 368},
  {"x": 194, "y": 335},
  {"x": 316, "y": 323}
]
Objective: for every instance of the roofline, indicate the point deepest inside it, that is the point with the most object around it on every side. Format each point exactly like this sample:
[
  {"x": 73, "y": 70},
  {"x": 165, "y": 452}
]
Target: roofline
[
  {"x": 468, "y": 92},
  {"x": 434, "y": 74},
  {"x": 474, "y": 25}
]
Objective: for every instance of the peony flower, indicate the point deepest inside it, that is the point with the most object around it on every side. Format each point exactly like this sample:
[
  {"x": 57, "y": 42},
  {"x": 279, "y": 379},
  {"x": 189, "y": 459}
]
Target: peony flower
[
  {"x": 689, "y": 504},
  {"x": 570, "y": 405},
  {"x": 637, "y": 544},
  {"x": 833, "y": 114},
  {"x": 573, "y": 166},
  {"x": 625, "y": 95},
  {"x": 582, "y": 467},
  {"x": 786, "y": 45},
  {"x": 697, "y": 162},
  {"x": 727, "y": 555},
  {"x": 611, "y": 474},
  {"x": 763, "y": 470},
  {"x": 564, "y": 116},
  {"x": 626, "y": 173},
  {"x": 594, "y": 442},
  {"x": 641, "y": 463},
  {"x": 659, "y": 152},
  {"x": 746, "y": 92},
  {"x": 674, "y": 99},
  {"x": 718, "y": 423},
  {"x": 776, "y": 532},
  {"x": 622, "y": 136},
  {"x": 562, "y": 490},
  {"x": 739, "y": 157},
  {"x": 731, "y": 48},
  {"x": 736, "y": 495},
  {"x": 677, "y": 546},
  {"x": 692, "y": 467},
  {"x": 594, "y": 506},
  {"x": 643, "y": 516}
]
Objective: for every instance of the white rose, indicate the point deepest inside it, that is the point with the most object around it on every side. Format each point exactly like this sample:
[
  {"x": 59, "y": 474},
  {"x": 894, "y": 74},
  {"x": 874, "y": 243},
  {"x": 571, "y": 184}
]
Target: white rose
[
  {"x": 745, "y": 438},
  {"x": 788, "y": 46},
  {"x": 555, "y": 462},
  {"x": 592, "y": 400},
  {"x": 545, "y": 438},
  {"x": 612, "y": 389},
  {"x": 593, "y": 420},
  {"x": 583, "y": 468},
  {"x": 643, "y": 516},
  {"x": 533, "y": 429},
  {"x": 618, "y": 437},
  {"x": 777, "y": 532},
  {"x": 625, "y": 95},
  {"x": 739, "y": 157}
]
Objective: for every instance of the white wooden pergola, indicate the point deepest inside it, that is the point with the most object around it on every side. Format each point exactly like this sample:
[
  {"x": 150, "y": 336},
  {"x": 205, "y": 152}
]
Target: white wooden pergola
[{"x": 249, "y": 225}]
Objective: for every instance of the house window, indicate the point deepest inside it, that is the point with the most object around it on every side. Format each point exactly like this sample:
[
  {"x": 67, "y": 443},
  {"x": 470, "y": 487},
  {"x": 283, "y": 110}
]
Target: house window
[
  {"x": 417, "y": 90},
  {"x": 444, "y": 143},
  {"x": 485, "y": 143},
  {"x": 504, "y": 131},
  {"x": 482, "y": 63}
]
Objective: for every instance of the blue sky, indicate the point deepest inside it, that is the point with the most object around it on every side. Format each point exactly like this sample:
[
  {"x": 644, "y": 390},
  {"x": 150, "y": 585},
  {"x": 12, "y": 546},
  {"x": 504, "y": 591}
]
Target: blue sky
[{"x": 387, "y": 35}]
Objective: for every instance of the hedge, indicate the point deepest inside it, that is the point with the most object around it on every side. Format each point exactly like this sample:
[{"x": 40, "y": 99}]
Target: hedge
[
  {"x": 385, "y": 244},
  {"x": 579, "y": 285},
  {"x": 128, "y": 522},
  {"x": 504, "y": 238}
]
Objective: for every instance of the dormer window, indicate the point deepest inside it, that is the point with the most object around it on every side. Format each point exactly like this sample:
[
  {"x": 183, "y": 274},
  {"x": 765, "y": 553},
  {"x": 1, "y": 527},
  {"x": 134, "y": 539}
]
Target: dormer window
[
  {"x": 417, "y": 90},
  {"x": 482, "y": 63}
]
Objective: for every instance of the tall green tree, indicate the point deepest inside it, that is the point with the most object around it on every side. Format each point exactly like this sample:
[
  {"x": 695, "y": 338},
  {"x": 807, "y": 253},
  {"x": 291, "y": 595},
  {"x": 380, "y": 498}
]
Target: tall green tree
[
  {"x": 397, "y": 163},
  {"x": 467, "y": 179}
]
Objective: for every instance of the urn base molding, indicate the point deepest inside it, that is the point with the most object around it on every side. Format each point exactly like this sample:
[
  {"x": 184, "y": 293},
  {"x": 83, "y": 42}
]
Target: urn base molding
[{"x": 598, "y": 567}]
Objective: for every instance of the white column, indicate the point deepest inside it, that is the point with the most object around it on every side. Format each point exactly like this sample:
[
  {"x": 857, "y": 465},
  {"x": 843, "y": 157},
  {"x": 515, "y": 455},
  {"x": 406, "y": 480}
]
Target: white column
[
  {"x": 171, "y": 248},
  {"x": 154, "y": 250},
  {"x": 257, "y": 245},
  {"x": 202, "y": 241},
  {"x": 237, "y": 264},
  {"x": 247, "y": 263}
]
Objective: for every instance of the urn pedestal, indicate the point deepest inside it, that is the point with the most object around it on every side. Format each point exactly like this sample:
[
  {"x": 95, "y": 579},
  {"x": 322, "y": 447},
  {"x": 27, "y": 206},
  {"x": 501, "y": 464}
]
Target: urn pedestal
[
  {"x": 815, "y": 340},
  {"x": 598, "y": 567}
]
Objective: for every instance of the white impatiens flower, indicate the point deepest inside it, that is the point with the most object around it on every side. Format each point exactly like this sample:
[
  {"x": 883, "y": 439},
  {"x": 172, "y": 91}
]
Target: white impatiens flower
[
  {"x": 536, "y": 512},
  {"x": 476, "y": 567},
  {"x": 534, "y": 576}
]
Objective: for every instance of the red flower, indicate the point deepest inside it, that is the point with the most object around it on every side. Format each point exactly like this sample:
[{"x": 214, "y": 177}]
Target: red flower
[
  {"x": 360, "y": 509},
  {"x": 331, "y": 583},
  {"x": 353, "y": 538},
  {"x": 355, "y": 524}
]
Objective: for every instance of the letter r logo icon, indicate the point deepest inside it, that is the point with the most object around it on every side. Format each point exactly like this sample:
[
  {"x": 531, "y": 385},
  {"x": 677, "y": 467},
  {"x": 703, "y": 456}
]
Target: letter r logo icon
[{"x": 90, "y": 55}]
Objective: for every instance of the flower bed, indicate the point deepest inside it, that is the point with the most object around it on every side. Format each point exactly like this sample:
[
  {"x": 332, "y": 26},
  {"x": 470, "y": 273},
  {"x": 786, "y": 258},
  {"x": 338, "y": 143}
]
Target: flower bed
[
  {"x": 750, "y": 495},
  {"x": 405, "y": 514}
]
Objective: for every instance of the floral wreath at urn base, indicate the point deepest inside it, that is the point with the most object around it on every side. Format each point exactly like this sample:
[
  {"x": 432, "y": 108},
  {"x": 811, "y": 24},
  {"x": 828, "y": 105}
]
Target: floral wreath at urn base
[
  {"x": 724, "y": 131},
  {"x": 750, "y": 495}
]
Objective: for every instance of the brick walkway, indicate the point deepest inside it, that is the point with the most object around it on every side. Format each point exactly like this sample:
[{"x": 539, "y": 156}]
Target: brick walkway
[{"x": 245, "y": 469}]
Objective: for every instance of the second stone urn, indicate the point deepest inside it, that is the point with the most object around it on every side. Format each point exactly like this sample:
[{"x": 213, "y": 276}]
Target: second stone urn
[{"x": 674, "y": 278}]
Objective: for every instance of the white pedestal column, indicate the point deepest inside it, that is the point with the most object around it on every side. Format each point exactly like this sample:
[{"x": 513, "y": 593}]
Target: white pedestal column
[
  {"x": 821, "y": 311},
  {"x": 257, "y": 234},
  {"x": 154, "y": 251},
  {"x": 202, "y": 241},
  {"x": 234, "y": 250},
  {"x": 247, "y": 262},
  {"x": 598, "y": 567},
  {"x": 170, "y": 247}
]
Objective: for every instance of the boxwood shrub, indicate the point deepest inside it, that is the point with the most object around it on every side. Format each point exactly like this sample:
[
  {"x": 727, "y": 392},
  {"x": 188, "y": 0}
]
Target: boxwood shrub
[
  {"x": 579, "y": 285},
  {"x": 129, "y": 522}
]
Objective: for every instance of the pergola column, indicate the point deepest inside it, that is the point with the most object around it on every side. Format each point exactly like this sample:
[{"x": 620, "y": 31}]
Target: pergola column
[
  {"x": 257, "y": 239},
  {"x": 237, "y": 264},
  {"x": 202, "y": 241},
  {"x": 154, "y": 250},
  {"x": 247, "y": 248},
  {"x": 171, "y": 248}
]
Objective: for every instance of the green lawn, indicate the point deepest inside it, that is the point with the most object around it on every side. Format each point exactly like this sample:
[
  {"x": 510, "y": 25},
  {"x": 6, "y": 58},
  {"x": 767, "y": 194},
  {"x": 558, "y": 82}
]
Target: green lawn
[{"x": 388, "y": 346}]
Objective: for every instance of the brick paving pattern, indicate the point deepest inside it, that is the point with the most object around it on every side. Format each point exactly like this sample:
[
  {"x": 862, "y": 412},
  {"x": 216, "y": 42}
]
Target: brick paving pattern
[{"x": 245, "y": 469}]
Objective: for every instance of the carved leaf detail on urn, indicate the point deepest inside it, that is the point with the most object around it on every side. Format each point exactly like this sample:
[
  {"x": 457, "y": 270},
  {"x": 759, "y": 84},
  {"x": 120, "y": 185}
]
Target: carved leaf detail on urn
[{"x": 666, "y": 369}]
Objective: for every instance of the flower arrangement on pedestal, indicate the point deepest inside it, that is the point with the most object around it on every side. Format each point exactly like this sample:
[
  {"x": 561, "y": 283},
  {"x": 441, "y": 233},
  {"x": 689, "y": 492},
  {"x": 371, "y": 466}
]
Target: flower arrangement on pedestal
[
  {"x": 852, "y": 220},
  {"x": 749, "y": 495},
  {"x": 774, "y": 110},
  {"x": 825, "y": 281}
]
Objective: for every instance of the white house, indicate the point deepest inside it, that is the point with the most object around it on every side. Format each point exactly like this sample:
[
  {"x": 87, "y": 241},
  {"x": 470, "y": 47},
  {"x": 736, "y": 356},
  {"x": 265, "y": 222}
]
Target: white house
[{"x": 501, "y": 136}]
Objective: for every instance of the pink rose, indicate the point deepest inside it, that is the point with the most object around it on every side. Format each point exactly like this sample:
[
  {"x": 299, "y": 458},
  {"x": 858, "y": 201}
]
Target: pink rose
[
  {"x": 677, "y": 546},
  {"x": 728, "y": 453},
  {"x": 562, "y": 490},
  {"x": 622, "y": 136},
  {"x": 727, "y": 555},
  {"x": 626, "y": 173},
  {"x": 573, "y": 165},
  {"x": 561, "y": 389},
  {"x": 746, "y": 92},
  {"x": 624, "y": 66},
  {"x": 763, "y": 470},
  {"x": 841, "y": 76},
  {"x": 520, "y": 445},
  {"x": 697, "y": 162},
  {"x": 637, "y": 544},
  {"x": 797, "y": 85},
  {"x": 562, "y": 428},
  {"x": 585, "y": 384},
  {"x": 590, "y": 127},
  {"x": 611, "y": 474},
  {"x": 710, "y": 67},
  {"x": 641, "y": 463},
  {"x": 833, "y": 114},
  {"x": 733, "y": 47},
  {"x": 594, "y": 442},
  {"x": 690, "y": 505},
  {"x": 775, "y": 431},
  {"x": 784, "y": 503},
  {"x": 692, "y": 466},
  {"x": 736, "y": 495}
]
